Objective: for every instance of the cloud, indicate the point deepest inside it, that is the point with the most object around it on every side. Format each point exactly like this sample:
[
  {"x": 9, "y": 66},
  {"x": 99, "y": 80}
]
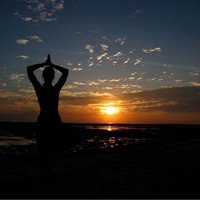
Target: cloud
[
  {"x": 21, "y": 41},
  {"x": 118, "y": 54},
  {"x": 93, "y": 83},
  {"x": 79, "y": 83},
  {"x": 127, "y": 86},
  {"x": 101, "y": 56},
  {"x": 158, "y": 49},
  {"x": 100, "y": 63},
  {"x": 151, "y": 79},
  {"x": 26, "y": 19},
  {"x": 135, "y": 86},
  {"x": 16, "y": 76},
  {"x": 39, "y": 6},
  {"x": 107, "y": 88},
  {"x": 114, "y": 63},
  {"x": 192, "y": 74},
  {"x": 105, "y": 38},
  {"x": 27, "y": 91},
  {"x": 3, "y": 84},
  {"x": 35, "y": 37},
  {"x": 162, "y": 101},
  {"x": 121, "y": 40},
  {"x": 59, "y": 6},
  {"x": 44, "y": 10},
  {"x": 82, "y": 100},
  {"x": 133, "y": 73},
  {"x": 46, "y": 16},
  {"x": 131, "y": 78},
  {"x": 104, "y": 47},
  {"x": 195, "y": 83},
  {"x": 114, "y": 80},
  {"x": 25, "y": 41},
  {"x": 69, "y": 87},
  {"x": 90, "y": 63},
  {"x": 102, "y": 80},
  {"x": 77, "y": 69},
  {"x": 137, "y": 12},
  {"x": 138, "y": 60},
  {"x": 23, "y": 57},
  {"x": 126, "y": 61},
  {"x": 174, "y": 99},
  {"x": 90, "y": 48},
  {"x": 69, "y": 63},
  {"x": 179, "y": 80}
]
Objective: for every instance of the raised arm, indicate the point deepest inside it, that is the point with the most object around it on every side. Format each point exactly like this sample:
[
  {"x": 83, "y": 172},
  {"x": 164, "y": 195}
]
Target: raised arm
[
  {"x": 63, "y": 77},
  {"x": 31, "y": 75},
  {"x": 32, "y": 68}
]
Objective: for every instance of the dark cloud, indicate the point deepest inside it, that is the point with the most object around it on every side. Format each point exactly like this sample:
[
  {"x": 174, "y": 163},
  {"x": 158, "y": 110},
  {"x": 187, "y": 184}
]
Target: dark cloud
[
  {"x": 30, "y": 115},
  {"x": 179, "y": 100},
  {"x": 175, "y": 99}
]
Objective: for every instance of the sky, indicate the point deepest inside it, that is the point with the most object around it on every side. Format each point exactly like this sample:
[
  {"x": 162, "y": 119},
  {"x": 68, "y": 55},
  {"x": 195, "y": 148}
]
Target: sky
[{"x": 129, "y": 61}]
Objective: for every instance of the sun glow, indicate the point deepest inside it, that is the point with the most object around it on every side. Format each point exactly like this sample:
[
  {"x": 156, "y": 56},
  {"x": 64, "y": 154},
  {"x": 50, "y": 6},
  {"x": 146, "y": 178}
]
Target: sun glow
[{"x": 110, "y": 110}]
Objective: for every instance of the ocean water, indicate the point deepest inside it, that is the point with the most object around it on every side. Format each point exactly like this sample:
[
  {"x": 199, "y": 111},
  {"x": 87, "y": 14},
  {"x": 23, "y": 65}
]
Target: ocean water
[
  {"x": 102, "y": 136},
  {"x": 19, "y": 138}
]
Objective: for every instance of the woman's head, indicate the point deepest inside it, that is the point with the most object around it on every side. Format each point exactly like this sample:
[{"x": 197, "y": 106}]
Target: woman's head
[{"x": 48, "y": 74}]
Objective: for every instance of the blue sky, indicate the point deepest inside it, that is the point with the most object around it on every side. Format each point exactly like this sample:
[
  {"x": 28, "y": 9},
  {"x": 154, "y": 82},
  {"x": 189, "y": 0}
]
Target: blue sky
[{"x": 117, "y": 51}]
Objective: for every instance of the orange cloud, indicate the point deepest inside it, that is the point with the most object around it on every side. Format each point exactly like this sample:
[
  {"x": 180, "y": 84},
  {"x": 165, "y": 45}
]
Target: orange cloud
[{"x": 165, "y": 105}]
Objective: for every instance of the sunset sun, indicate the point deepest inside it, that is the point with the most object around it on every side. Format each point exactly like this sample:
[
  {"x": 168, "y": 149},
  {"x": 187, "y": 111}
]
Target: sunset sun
[{"x": 111, "y": 110}]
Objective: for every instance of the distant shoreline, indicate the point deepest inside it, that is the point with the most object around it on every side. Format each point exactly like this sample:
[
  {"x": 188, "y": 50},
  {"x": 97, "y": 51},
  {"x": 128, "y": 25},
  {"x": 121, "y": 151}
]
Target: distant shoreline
[{"x": 119, "y": 124}]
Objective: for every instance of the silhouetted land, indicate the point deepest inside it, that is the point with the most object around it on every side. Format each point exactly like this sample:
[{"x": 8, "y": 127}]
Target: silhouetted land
[{"x": 165, "y": 166}]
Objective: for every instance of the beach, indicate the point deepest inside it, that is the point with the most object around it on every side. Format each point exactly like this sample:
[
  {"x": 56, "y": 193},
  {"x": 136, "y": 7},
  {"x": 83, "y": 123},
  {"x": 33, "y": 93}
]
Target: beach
[{"x": 159, "y": 169}]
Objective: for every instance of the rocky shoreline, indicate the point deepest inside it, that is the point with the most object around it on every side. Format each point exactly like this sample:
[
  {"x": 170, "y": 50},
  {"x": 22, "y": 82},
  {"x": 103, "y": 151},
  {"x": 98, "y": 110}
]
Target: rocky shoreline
[{"x": 162, "y": 170}]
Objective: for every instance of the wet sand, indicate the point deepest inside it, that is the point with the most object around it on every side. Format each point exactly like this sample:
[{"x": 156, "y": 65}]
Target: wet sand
[{"x": 158, "y": 170}]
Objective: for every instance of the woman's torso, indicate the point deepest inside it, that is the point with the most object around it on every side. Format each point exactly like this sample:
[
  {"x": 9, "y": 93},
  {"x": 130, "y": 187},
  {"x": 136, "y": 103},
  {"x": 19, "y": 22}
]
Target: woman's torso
[{"x": 48, "y": 98}]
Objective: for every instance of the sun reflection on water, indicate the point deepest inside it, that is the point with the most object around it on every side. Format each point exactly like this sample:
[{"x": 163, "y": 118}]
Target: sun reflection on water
[
  {"x": 97, "y": 137},
  {"x": 109, "y": 128}
]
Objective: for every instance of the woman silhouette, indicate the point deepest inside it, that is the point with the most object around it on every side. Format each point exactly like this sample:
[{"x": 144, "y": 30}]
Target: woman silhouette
[{"x": 49, "y": 120}]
